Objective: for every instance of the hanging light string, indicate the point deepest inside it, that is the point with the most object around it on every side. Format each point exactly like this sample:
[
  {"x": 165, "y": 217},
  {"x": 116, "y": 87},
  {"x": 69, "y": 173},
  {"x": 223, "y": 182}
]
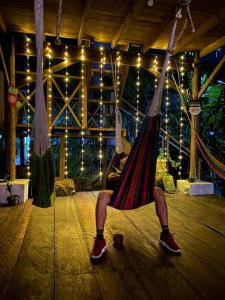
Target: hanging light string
[
  {"x": 155, "y": 66},
  {"x": 82, "y": 111},
  {"x": 117, "y": 69},
  {"x": 181, "y": 123},
  {"x": 49, "y": 55},
  {"x": 66, "y": 111},
  {"x": 28, "y": 104},
  {"x": 100, "y": 155},
  {"x": 167, "y": 103},
  {"x": 138, "y": 83}
]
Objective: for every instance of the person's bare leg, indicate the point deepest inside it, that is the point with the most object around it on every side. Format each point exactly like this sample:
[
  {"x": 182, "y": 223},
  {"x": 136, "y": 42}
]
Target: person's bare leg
[
  {"x": 160, "y": 206},
  {"x": 101, "y": 208},
  {"x": 100, "y": 247}
]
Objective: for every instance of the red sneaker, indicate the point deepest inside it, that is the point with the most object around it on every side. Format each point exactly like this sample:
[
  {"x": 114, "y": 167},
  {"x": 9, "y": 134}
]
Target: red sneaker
[
  {"x": 167, "y": 241},
  {"x": 99, "y": 248}
]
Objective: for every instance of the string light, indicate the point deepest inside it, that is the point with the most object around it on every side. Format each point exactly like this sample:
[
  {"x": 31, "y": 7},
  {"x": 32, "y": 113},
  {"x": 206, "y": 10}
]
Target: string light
[
  {"x": 180, "y": 157},
  {"x": 66, "y": 78},
  {"x": 167, "y": 103},
  {"x": 82, "y": 111},
  {"x": 118, "y": 63},
  {"x": 28, "y": 105},
  {"x": 101, "y": 65},
  {"x": 156, "y": 66},
  {"x": 49, "y": 86},
  {"x": 138, "y": 83}
]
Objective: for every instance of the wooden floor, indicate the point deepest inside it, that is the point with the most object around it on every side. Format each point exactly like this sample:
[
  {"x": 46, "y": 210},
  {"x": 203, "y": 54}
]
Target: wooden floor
[{"x": 44, "y": 253}]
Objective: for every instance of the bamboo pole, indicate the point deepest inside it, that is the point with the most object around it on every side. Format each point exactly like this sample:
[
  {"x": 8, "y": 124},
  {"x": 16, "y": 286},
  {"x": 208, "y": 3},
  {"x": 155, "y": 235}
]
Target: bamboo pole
[
  {"x": 11, "y": 140},
  {"x": 194, "y": 122}
]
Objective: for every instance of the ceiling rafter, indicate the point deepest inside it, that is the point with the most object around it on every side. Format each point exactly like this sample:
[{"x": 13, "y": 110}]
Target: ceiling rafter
[
  {"x": 206, "y": 26},
  {"x": 212, "y": 47},
  {"x": 86, "y": 9},
  {"x": 211, "y": 77},
  {"x": 132, "y": 13}
]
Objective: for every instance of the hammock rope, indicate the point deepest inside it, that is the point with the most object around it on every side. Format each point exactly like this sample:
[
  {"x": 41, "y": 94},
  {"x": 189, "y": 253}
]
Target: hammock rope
[
  {"x": 58, "y": 24},
  {"x": 43, "y": 170}
]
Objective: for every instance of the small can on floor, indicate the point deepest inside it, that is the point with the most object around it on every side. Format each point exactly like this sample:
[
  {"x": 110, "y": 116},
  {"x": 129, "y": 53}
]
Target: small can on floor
[{"x": 118, "y": 241}]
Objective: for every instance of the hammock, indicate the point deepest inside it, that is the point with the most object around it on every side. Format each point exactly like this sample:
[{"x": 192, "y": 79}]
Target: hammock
[
  {"x": 212, "y": 162},
  {"x": 136, "y": 183},
  {"x": 43, "y": 171}
]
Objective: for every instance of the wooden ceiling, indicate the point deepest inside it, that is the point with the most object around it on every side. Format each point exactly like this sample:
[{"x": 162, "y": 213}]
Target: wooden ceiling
[{"x": 122, "y": 22}]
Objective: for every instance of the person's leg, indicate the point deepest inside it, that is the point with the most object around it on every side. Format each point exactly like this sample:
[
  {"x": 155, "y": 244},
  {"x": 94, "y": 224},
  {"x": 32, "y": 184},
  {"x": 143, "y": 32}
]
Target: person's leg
[
  {"x": 160, "y": 206},
  {"x": 166, "y": 239},
  {"x": 101, "y": 208},
  {"x": 100, "y": 215}
]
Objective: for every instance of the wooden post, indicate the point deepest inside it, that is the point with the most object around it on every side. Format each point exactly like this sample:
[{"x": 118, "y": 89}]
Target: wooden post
[
  {"x": 194, "y": 122},
  {"x": 62, "y": 158},
  {"x": 11, "y": 136}
]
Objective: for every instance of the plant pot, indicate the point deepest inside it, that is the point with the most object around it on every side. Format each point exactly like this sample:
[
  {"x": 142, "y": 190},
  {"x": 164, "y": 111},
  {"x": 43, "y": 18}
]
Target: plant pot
[{"x": 13, "y": 200}]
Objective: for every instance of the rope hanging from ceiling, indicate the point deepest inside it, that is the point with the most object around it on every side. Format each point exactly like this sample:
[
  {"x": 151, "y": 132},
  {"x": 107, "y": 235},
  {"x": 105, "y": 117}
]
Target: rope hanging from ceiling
[{"x": 58, "y": 24}]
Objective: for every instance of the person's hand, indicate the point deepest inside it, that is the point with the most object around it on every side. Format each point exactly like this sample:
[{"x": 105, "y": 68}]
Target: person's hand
[{"x": 113, "y": 176}]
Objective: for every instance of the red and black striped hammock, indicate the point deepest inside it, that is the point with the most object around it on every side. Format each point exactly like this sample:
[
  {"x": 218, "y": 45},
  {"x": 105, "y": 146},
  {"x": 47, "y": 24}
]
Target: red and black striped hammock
[
  {"x": 137, "y": 180},
  {"x": 136, "y": 183}
]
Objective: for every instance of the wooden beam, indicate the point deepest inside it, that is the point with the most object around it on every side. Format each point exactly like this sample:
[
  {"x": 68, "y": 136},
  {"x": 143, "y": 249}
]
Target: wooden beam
[
  {"x": 132, "y": 13},
  {"x": 11, "y": 139},
  {"x": 93, "y": 55},
  {"x": 86, "y": 9},
  {"x": 211, "y": 77},
  {"x": 194, "y": 122},
  {"x": 53, "y": 75},
  {"x": 202, "y": 29},
  {"x": 54, "y": 69},
  {"x": 105, "y": 102},
  {"x": 67, "y": 103},
  {"x": 2, "y": 24},
  {"x": 212, "y": 47},
  {"x": 4, "y": 65}
]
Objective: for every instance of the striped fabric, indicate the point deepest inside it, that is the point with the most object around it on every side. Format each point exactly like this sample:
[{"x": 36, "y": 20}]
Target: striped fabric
[
  {"x": 137, "y": 180},
  {"x": 212, "y": 162}
]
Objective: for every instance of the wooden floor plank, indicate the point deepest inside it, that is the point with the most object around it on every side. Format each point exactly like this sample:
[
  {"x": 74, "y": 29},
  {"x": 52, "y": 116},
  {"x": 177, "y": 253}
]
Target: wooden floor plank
[
  {"x": 77, "y": 287},
  {"x": 154, "y": 268},
  {"x": 209, "y": 210},
  {"x": 120, "y": 285},
  {"x": 33, "y": 276},
  {"x": 86, "y": 211},
  {"x": 54, "y": 262},
  {"x": 71, "y": 255},
  {"x": 196, "y": 264},
  {"x": 11, "y": 237}
]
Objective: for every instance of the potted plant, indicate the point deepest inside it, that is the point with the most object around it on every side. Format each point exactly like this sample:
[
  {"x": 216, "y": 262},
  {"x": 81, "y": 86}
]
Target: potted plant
[{"x": 12, "y": 199}]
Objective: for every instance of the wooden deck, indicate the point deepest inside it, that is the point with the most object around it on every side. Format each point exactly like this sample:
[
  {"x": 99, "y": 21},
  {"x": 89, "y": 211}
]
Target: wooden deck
[{"x": 44, "y": 253}]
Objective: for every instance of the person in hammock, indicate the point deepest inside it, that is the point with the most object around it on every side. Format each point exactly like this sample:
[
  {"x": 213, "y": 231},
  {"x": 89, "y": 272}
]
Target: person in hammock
[{"x": 104, "y": 197}]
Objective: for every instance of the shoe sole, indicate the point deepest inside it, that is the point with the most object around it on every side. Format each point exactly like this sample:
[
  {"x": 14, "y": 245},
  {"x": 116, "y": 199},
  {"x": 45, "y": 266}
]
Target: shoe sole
[
  {"x": 167, "y": 247},
  {"x": 100, "y": 255}
]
